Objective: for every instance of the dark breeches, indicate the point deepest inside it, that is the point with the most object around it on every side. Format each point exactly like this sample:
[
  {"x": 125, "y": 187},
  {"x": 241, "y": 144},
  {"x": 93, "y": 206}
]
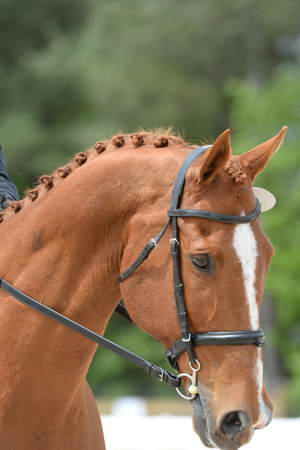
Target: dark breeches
[{"x": 8, "y": 190}]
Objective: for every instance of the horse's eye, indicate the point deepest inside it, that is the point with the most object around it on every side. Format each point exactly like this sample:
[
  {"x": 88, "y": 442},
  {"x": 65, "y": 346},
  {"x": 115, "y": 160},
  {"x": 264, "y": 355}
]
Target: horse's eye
[{"x": 202, "y": 262}]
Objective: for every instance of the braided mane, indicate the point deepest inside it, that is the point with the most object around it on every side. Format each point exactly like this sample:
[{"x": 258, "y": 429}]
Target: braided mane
[
  {"x": 235, "y": 172},
  {"x": 158, "y": 138}
]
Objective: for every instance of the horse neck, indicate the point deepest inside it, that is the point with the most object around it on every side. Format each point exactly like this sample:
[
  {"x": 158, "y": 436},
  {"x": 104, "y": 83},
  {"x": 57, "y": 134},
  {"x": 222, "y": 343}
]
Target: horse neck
[
  {"x": 65, "y": 251},
  {"x": 70, "y": 244}
]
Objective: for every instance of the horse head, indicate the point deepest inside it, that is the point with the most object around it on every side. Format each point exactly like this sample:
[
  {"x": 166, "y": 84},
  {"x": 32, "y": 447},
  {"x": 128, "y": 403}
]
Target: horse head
[{"x": 223, "y": 270}]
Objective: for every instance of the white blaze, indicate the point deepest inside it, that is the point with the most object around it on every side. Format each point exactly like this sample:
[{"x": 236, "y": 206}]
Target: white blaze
[
  {"x": 263, "y": 409},
  {"x": 245, "y": 245}
]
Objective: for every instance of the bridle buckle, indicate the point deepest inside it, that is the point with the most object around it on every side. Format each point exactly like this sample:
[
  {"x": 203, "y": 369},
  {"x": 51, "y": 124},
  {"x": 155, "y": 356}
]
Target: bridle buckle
[
  {"x": 188, "y": 339},
  {"x": 154, "y": 242},
  {"x": 162, "y": 375}
]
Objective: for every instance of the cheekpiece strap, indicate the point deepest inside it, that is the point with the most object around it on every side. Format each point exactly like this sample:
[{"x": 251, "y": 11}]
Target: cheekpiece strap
[
  {"x": 175, "y": 252},
  {"x": 180, "y": 178}
]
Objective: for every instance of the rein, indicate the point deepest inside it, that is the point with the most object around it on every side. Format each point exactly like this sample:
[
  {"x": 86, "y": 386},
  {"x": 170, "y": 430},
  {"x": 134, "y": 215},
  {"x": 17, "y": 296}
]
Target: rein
[
  {"x": 187, "y": 341},
  {"x": 150, "y": 368}
]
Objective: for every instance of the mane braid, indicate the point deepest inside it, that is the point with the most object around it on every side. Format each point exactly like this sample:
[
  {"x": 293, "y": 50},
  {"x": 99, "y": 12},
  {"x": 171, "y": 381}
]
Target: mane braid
[
  {"x": 234, "y": 171},
  {"x": 161, "y": 137}
]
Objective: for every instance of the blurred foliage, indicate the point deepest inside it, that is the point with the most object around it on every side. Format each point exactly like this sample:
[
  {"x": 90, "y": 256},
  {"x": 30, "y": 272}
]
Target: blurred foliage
[
  {"x": 72, "y": 72},
  {"x": 112, "y": 376}
]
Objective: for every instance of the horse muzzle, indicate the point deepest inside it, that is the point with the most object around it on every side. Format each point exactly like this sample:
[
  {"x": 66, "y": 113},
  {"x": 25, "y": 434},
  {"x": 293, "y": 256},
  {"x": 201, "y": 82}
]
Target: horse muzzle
[{"x": 230, "y": 433}]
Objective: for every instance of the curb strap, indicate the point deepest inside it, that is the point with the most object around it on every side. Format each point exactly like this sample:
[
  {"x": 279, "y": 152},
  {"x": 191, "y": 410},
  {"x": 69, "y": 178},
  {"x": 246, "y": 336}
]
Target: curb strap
[{"x": 156, "y": 371}]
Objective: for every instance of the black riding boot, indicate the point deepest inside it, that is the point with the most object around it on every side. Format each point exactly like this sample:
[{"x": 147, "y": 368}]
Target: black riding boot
[{"x": 8, "y": 190}]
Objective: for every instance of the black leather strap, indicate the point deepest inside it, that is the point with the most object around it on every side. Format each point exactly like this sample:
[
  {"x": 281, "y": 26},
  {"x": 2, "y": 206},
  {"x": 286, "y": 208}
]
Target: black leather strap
[
  {"x": 149, "y": 367},
  {"x": 247, "y": 337},
  {"x": 216, "y": 217},
  {"x": 175, "y": 252},
  {"x": 180, "y": 178},
  {"x": 179, "y": 300},
  {"x": 121, "y": 309},
  {"x": 144, "y": 254}
]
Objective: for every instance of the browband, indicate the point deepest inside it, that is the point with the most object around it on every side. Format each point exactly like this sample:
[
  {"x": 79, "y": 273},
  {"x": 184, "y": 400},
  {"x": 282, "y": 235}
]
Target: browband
[{"x": 217, "y": 217}]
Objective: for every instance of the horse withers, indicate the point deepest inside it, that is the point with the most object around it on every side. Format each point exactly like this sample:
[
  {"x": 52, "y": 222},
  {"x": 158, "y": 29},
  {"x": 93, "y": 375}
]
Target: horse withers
[{"x": 67, "y": 242}]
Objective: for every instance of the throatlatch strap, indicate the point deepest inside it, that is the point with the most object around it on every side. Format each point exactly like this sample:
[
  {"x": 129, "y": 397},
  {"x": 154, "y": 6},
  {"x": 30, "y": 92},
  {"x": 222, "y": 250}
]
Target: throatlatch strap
[
  {"x": 149, "y": 367},
  {"x": 144, "y": 254}
]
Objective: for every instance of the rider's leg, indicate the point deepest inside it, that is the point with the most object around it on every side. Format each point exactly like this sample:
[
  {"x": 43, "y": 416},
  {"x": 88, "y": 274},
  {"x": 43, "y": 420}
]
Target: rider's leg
[{"x": 8, "y": 190}]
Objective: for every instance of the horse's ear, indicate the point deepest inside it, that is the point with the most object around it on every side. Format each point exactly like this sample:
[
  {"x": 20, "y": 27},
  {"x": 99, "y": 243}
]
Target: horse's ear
[
  {"x": 214, "y": 159},
  {"x": 256, "y": 159}
]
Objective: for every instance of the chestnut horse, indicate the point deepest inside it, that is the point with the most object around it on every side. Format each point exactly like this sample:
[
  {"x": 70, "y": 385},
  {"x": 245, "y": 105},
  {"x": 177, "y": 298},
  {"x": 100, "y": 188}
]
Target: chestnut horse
[{"x": 66, "y": 243}]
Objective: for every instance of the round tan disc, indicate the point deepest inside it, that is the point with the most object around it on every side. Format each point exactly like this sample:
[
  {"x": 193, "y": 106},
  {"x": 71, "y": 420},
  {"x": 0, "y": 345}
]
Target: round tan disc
[{"x": 266, "y": 198}]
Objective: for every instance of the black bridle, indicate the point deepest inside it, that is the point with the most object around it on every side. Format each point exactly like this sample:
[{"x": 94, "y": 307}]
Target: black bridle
[{"x": 187, "y": 340}]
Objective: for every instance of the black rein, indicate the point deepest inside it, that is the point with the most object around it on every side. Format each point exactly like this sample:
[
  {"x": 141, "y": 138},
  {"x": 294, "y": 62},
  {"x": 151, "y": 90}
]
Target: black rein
[{"x": 149, "y": 367}]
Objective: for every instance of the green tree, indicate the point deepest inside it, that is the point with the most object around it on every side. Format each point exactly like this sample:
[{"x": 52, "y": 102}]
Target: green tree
[{"x": 72, "y": 72}]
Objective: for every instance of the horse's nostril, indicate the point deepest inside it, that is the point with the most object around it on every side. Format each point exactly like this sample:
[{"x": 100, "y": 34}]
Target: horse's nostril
[{"x": 235, "y": 422}]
